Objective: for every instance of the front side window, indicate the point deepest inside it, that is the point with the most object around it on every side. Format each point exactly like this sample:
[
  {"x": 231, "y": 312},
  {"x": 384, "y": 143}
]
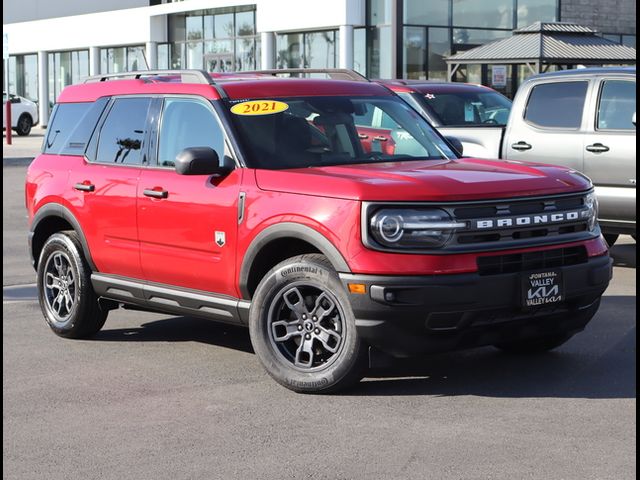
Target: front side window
[
  {"x": 323, "y": 131},
  {"x": 122, "y": 134},
  {"x": 557, "y": 105},
  {"x": 617, "y": 105},
  {"x": 187, "y": 123},
  {"x": 468, "y": 108}
]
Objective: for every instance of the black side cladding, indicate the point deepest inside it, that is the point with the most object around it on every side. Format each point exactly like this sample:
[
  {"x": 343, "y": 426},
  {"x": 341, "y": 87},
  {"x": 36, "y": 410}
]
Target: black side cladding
[{"x": 71, "y": 127}]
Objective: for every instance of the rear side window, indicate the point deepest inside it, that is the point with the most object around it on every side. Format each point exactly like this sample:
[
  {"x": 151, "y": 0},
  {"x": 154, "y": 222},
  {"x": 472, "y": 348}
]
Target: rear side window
[
  {"x": 122, "y": 133},
  {"x": 617, "y": 105},
  {"x": 557, "y": 105},
  {"x": 71, "y": 127}
]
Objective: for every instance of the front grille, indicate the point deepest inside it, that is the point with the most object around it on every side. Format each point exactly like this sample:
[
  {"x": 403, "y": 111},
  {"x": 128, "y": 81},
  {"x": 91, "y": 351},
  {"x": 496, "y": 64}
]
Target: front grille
[
  {"x": 511, "y": 223},
  {"x": 522, "y": 262}
]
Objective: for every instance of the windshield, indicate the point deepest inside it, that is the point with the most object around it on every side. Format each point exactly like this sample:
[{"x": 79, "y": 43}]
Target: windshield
[
  {"x": 469, "y": 108},
  {"x": 301, "y": 132}
]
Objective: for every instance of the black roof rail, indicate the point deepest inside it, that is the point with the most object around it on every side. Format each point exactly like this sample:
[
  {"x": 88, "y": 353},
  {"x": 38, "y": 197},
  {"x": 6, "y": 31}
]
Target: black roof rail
[
  {"x": 186, "y": 76},
  {"x": 333, "y": 73}
]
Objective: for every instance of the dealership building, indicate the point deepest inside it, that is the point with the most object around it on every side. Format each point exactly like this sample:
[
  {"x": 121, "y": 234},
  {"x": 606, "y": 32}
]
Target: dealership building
[{"x": 56, "y": 43}]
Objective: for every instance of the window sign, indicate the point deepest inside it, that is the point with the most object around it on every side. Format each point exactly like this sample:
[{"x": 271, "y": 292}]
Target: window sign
[{"x": 499, "y": 76}]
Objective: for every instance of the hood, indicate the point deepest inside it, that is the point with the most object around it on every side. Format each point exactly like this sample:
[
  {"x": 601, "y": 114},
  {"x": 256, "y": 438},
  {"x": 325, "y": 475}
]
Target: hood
[{"x": 429, "y": 180}]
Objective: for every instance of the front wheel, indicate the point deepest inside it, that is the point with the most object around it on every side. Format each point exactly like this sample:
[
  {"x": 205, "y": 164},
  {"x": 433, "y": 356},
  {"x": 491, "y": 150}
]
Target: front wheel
[{"x": 302, "y": 327}]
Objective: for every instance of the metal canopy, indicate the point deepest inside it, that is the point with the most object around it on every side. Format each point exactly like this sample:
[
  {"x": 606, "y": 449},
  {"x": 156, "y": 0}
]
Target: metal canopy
[{"x": 546, "y": 43}]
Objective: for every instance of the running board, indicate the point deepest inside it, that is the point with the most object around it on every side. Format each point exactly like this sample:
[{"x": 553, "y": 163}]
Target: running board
[{"x": 171, "y": 299}]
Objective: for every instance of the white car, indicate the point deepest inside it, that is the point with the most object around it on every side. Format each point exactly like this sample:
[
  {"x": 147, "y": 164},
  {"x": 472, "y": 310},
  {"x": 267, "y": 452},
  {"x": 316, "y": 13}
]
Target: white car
[{"x": 24, "y": 114}]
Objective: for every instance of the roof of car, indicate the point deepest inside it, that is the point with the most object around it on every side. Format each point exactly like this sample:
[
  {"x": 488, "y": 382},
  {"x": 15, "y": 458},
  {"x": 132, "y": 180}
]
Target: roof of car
[
  {"x": 232, "y": 86},
  {"x": 430, "y": 86},
  {"x": 595, "y": 71}
]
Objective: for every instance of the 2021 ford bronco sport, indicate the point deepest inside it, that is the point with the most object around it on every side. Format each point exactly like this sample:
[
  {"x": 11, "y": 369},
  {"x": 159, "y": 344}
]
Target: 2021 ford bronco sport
[{"x": 259, "y": 201}]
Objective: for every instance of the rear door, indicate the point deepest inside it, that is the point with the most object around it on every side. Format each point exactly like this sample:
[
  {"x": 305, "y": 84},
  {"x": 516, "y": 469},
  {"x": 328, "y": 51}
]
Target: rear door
[
  {"x": 610, "y": 148},
  {"x": 546, "y": 123},
  {"x": 103, "y": 187},
  {"x": 188, "y": 223}
]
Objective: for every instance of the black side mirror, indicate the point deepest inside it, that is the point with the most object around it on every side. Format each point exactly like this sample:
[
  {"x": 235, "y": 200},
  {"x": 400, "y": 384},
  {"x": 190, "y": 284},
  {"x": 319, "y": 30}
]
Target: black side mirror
[
  {"x": 456, "y": 144},
  {"x": 203, "y": 161}
]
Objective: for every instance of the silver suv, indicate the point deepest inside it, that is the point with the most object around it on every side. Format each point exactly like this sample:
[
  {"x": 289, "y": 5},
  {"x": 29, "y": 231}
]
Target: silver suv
[{"x": 583, "y": 119}]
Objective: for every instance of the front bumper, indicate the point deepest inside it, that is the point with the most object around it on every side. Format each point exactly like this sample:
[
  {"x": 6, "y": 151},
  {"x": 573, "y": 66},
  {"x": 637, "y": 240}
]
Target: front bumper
[{"x": 411, "y": 315}]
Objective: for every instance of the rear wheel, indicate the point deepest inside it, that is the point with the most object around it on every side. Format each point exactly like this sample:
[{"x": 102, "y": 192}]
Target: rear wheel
[
  {"x": 68, "y": 302},
  {"x": 302, "y": 327},
  {"x": 23, "y": 127}
]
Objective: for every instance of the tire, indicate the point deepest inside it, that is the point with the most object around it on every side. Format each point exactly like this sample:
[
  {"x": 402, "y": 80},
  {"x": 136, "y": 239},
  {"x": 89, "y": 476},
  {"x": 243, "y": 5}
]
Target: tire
[
  {"x": 68, "y": 302},
  {"x": 23, "y": 127},
  {"x": 535, "y": 345},
  {"x": 303, "y": 329},
  {"x": 610, "y": 238}
]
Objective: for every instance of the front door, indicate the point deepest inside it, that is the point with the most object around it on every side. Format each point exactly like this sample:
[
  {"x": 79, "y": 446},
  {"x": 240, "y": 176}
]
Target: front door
[{"x": 188, "y": 223}]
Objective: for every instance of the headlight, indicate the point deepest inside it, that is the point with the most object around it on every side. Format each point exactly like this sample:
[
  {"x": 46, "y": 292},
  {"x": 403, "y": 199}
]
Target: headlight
[
  {"x": 591, "y": 202},
  {"x": 402, "y": 228}
]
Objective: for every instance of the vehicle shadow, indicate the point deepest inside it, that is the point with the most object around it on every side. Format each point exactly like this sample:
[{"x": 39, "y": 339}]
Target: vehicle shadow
[
  {"x": 598, "y": 363},
  {"x": 181, "y": 329},
  {"x": 624, "y": 255}
]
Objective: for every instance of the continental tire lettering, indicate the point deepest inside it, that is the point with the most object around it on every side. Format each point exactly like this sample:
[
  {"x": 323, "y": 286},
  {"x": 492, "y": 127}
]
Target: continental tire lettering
[
  {"x": 285, "y": 272},
  {"x": 312, "y": 384}
]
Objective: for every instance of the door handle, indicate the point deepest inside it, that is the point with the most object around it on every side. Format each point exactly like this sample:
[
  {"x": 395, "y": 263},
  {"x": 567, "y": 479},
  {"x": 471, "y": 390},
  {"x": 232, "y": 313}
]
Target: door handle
[
  {"x": 363, "y": 136},
  {"x": 85, "y": 186},
  {"x": 597, "y": 148},
  {"x": 380, "y": 138},
  {"x": 156, "y": 192},
  {"x": 521, "y": 146}
]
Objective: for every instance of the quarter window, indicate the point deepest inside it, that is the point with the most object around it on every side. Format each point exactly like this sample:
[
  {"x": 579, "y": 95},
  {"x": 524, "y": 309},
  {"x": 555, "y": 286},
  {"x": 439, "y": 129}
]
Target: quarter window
[
  {"x": 187, "y": 123},
  {"x": 122, "y": 134},
  {"x": 557, "y": 105},
  {"x": 617, "y": 105}
]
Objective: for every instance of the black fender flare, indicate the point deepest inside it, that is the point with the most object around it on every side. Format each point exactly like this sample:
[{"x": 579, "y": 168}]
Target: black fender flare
[
  {"x": 288, "y": 230},
  {"x": 57, "y": 210}
]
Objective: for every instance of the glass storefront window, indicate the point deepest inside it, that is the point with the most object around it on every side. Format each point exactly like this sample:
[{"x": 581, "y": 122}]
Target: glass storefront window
[
  {"x": 468, "y": 37},
  {"x": 485, "y": 14},
  {"x": 66, "y": 68},
  {"x": 223, "y": 26},
  {"x": 289, "y": 48},
  {"x": 379, "y": 12},
  {"x": 415, "y": 52},
  {"x": 245, "y": 23},
  {"x": 360, "y": 50},
  {"x": 195, "y": 55},
  {"x": 194, "y": 27},
  {"x": 245, "y": 54},
  {"x": 439, "y": 47},
  {"x": 136, "y": 59},
  {"x": 421, "y": 12},
  {"x": 163, "y": 56},
  {"x": 23, "y": 76},
  {"x": 320, "y": 50},
  {"x": 379, "y": 53},
  {"x": 531, "y": 11}
]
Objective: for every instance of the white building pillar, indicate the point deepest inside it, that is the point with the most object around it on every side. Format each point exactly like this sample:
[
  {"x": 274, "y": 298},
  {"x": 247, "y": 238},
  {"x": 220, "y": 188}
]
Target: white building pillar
[
  {"x": 43, "y": 88},
  {"x": 151, "y": 54},
  {"x": 346, "y": 46},
  {"x": 268, "y": 45},
  {"x": 94, "y": 61}
]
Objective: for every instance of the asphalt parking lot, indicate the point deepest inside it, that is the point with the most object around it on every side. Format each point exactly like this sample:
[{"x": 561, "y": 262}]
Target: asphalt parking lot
[{"x": 163, "y": 397}]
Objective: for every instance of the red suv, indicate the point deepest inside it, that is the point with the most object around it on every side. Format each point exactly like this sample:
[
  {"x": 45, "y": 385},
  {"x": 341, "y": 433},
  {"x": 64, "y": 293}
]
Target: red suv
[{"x": 259, "y": 202}]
